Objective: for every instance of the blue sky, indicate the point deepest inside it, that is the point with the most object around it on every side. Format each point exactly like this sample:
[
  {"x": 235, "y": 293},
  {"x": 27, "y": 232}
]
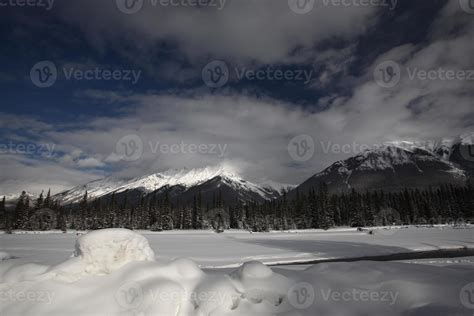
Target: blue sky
[{"x": 159, "y": 54}]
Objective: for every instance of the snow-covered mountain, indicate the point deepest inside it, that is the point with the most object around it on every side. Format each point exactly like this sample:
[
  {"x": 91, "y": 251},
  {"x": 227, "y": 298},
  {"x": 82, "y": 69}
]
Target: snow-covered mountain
[
  {"x": 398, "y": 165},
  {"x": 391, "y": 167},
  {"x": 11, "y": 199},
  {"x": 277, "y": 186},
  {"x": 177, "y": 182}
]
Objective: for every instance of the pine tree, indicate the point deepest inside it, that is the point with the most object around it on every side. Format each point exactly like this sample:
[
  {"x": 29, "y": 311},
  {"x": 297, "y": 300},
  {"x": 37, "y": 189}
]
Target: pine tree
[
  {"x": 187, "y": 218},
  {"x": 48, "y": 203},
  {"x": 194, "y": 215},
  {"x": 22, "y": 210},
  {"x": 197, "y": 212},
  {"x": 327, "y": 218},
  {"x": 5, "y": 215},
  {"x": 83, "y": 208},
  {"x": 39, "y": 202},
  {"x": 313, "y": 209},
  {"x": 356, "y": 219}
]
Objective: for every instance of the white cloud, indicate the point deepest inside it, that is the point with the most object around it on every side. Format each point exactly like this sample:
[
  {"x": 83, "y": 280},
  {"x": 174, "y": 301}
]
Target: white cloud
[
  {"x": 255, "y": 130},
  {"x": 90, "y": 163},
  {"x": 21, "y": 173}
]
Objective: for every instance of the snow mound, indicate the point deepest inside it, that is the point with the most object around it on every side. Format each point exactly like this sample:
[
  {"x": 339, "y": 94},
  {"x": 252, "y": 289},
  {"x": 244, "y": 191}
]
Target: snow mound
[
  {"x": 253, "y": 270},
  {"x": 113, "y": 272},
  {"x": 104, "y": 251},
  {"x": 258, "y": 283}
]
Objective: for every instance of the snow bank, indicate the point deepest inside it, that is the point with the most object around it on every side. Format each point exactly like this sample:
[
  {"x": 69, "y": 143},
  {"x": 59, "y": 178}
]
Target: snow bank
[
  {"x": 104, "y": 251},
  {"x": 113, "y": 272},
  {"x": 383, "y": 288}
]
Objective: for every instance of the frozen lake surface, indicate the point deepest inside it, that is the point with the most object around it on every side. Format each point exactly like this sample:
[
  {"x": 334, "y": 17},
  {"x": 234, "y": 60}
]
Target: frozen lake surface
[{"x": 232, "y": 248}]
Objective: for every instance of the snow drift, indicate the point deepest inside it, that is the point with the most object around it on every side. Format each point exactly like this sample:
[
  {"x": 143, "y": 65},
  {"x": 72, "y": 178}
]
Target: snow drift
[
  {"x": 114, "y": 272},
  {"x": 104, "y": 251}
]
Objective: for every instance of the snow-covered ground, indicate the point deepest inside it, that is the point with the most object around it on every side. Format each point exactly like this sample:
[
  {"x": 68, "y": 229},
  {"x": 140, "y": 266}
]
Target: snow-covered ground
[
  {"x": 119, "y": 272},
  {"x": 232, "y": 248}
]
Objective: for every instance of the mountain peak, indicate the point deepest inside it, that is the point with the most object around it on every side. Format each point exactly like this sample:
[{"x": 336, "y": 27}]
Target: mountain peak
[
  {"x": 395, "y": 165},
  {"x": 184, "y": 178}
]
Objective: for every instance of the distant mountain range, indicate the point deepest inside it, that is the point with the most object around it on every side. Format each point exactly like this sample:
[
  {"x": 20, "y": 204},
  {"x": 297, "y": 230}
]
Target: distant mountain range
[
  {"x": 182, "y": 185},
  {"x": 391, "y": 167},
  {"x": 398, "y": 165}
]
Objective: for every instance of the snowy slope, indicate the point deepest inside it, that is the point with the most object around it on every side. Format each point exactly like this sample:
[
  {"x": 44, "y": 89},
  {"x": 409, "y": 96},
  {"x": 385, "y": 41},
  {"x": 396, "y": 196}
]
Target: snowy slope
[
  {"x": 95, "y": 189},
  {"x": 277, "y": 186},
  {"x": 392, "y": 167},
  {"x": 170, "y": 178}
]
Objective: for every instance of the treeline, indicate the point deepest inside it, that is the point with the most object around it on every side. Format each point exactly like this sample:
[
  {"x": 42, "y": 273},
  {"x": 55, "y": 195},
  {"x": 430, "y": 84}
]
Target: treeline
[{"x": 314, "y": 209}]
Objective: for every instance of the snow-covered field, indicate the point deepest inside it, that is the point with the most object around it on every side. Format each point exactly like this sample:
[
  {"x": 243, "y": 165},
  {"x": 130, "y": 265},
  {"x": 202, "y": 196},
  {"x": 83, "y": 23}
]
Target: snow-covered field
[
  {"x": 119, "y": 272},
  {"x": 232, "y": 248}
]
